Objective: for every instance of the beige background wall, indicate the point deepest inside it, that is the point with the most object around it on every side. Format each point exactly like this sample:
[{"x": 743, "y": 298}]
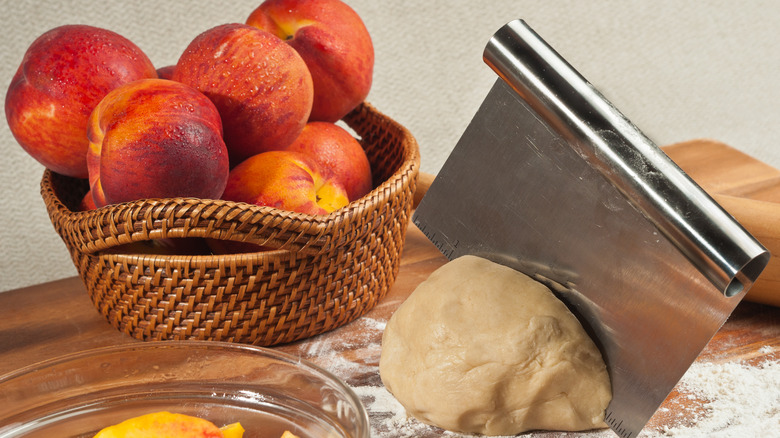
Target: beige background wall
[{"x": 678, "y": 70}]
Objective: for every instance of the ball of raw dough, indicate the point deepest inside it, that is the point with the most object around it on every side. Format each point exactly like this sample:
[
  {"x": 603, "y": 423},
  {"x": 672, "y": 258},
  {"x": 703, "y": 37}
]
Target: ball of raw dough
[{"x": 481, "y": 348}]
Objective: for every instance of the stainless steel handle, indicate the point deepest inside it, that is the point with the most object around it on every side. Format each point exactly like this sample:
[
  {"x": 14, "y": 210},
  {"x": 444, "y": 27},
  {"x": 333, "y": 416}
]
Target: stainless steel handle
[{"x": 721, "y": 249}]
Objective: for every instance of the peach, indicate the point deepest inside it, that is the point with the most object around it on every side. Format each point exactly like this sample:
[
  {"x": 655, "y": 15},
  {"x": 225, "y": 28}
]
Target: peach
[
  {"x": 261, "y": 86},
  {"x": 62, "y": 77},
  {"x": 285, "y": 180},
  {"x": 282, "y": 179},
  {"x": 335, "y": 44},
  {"x": 162, "y": 424},
  {"x": 233, "y": 430},
  {"x": 87, "y": 202},
  {"x": 166, "y": 72},
  {"x": 338, "y": 156},
  {"x": 155, "y": 138}
]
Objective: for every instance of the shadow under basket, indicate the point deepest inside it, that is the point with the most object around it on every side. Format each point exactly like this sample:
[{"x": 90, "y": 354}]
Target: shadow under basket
[{"x": 325, "y": 271}]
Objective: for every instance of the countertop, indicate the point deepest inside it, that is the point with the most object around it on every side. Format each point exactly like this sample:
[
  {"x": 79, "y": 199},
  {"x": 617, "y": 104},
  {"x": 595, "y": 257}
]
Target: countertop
[{"x": 56, "y": 318}]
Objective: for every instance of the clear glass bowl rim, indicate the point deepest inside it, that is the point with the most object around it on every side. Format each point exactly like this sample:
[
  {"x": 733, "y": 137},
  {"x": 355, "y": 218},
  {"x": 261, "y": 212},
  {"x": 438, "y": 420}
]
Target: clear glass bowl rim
[{"x": 361, "y": 414}]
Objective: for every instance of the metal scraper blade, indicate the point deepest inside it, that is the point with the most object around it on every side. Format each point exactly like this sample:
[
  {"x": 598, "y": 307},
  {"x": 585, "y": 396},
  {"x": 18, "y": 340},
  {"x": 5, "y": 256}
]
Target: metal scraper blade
[{"x": 550, "y": 179}]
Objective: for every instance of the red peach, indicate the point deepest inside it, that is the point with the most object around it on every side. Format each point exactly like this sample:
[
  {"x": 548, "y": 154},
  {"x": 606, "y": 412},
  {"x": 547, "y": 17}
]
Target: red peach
[
  {"x": 285, "y": 180},
  {"x": 87, "y": 202},
  {"x": 333, "y": 40},
  {"x": 155, "y": 138},
  {"x": 166, "y": 72},
  {"x": 337, "y": 155},
  {"x": 64, "y": 74},
  {"x": 260, "y": 85}
]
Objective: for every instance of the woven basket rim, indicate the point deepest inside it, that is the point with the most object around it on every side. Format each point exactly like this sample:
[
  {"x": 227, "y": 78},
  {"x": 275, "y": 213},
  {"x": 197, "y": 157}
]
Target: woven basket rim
[{"x": 321, "y": 225}]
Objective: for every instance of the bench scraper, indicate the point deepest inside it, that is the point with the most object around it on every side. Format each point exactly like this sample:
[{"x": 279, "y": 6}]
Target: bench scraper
[{"x": 551, "y": 179}]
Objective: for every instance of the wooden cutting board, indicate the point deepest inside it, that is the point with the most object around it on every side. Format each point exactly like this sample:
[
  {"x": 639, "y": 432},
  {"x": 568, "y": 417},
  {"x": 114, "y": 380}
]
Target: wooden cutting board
[{"x": 745, "y": 187}]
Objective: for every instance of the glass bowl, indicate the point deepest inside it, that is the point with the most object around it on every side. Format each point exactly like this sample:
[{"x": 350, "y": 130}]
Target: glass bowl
[{"x": 268, "y": 392}]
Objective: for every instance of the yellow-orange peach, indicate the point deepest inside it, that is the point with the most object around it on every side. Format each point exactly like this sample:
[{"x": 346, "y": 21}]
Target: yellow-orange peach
[
  {"x": 162, "y": 424},
  {"x": 334, "y": 42},
  {"x": 155, "y": 138},
  {"x": 64, "y": 74},
  {"x": 338, "y": 156},
  {"x": 260, "y": 85},
  {"x": 285, "y": 180}
]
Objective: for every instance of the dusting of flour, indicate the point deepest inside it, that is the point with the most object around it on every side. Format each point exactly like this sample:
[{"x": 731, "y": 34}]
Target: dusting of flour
[
  {"x": 725, "y": 399},
  {"x": 738, "y": 400}
]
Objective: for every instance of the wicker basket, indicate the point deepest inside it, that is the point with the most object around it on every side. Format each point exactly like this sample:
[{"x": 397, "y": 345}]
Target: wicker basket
[{"x": 326, "y": 272}]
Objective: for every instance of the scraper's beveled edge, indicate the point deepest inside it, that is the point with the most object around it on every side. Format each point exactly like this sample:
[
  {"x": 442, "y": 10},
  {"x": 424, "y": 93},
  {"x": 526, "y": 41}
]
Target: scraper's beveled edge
[{"x": 627, "y": 423}]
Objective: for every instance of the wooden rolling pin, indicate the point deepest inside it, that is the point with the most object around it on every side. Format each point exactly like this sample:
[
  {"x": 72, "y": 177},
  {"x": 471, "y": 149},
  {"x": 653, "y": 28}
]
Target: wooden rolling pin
[{"x": 746, "y": 188}]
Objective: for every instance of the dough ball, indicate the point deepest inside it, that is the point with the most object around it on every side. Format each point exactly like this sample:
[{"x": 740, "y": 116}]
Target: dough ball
[{"x": 481, "y": 348}]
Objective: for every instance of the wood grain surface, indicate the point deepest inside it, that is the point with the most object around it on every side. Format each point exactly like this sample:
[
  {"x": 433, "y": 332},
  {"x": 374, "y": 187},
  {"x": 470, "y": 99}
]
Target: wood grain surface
[
  {"x": 749, "y": 190},
  {"x": 52, "y": 319}
]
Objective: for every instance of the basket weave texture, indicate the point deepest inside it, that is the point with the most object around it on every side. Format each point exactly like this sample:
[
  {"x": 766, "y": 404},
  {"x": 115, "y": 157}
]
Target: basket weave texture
[{"x": 325, "y": 272}]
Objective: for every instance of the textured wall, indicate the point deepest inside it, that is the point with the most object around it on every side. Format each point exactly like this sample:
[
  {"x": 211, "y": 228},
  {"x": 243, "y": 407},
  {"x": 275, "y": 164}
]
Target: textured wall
[{"x": 679, "y": 70}]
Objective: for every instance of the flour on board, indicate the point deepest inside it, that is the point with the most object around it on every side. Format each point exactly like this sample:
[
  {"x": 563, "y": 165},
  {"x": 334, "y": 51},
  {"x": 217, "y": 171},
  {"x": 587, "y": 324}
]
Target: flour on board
[{"x": 724, "y": 399}]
